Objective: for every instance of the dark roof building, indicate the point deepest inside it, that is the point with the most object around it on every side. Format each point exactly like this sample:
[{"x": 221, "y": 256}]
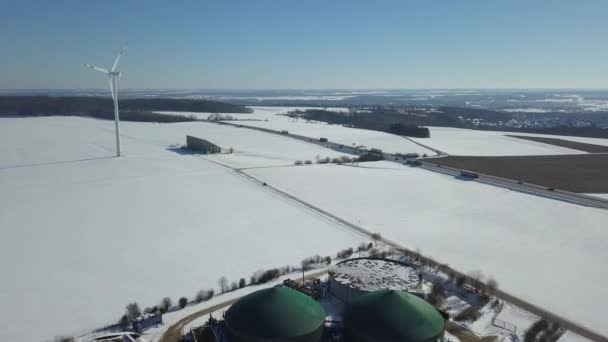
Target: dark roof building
[
  {"x": 275, "y": 314},
  {"x": 391, "y": 316},
  {"x": 201, "y": 145}
]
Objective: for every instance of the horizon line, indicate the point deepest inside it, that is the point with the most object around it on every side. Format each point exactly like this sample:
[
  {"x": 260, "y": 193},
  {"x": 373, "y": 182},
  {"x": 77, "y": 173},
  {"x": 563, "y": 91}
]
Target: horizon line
[{"x": 304, "y": 89}]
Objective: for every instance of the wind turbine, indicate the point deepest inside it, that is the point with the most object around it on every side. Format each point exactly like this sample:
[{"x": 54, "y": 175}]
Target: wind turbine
[{"x": 113, "y": 75}]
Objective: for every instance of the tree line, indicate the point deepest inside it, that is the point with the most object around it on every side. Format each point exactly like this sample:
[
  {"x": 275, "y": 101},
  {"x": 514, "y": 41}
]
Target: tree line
[
  {"x": 103, "y": 108},
  {"x": 377, "y": 119}
]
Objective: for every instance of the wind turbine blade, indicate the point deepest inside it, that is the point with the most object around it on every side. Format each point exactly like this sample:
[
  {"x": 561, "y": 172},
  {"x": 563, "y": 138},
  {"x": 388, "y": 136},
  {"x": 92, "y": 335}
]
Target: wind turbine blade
[
  {"x": 97, "y": 68},
  {"x": 117, "y": 59}
]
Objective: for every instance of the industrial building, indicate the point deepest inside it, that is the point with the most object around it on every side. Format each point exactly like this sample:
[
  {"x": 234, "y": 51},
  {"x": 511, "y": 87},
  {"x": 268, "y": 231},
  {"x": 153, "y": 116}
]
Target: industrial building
[
  {"x": 354, "y": 277},
  {"x": 275, "y": 314},
  {"x": 392, "y": 316},
  {"x": 365, "y": 300},
  {"x": 201, "y": 145}
]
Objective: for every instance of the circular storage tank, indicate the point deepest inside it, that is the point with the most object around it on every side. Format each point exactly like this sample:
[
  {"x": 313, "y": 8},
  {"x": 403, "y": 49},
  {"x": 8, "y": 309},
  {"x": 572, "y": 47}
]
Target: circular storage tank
[
  {"x": 391, "y": 316},
  {"x": 275, "y": 314},
  {"x": 354, "y": 277}
]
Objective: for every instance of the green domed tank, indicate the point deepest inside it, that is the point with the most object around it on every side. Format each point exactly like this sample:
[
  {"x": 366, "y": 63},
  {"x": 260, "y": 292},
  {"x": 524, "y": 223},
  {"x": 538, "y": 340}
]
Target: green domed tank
[
  {"x": 391, "y": 316},
  {"x": 275, "y": 314}
]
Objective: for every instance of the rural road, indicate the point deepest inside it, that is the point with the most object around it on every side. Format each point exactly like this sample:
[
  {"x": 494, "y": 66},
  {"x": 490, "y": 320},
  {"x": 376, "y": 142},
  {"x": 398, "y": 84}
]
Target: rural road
[{"x": 510, "y": 184}]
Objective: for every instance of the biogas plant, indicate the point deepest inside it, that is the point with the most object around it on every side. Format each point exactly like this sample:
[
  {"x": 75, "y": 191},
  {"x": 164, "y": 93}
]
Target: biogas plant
[
  {"x": 362, "y": 300},
  {"x": 354, "y": 277}
]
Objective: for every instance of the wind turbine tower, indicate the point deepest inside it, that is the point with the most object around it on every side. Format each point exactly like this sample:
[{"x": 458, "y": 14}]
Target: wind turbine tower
[{"x": 113, "y": 75}]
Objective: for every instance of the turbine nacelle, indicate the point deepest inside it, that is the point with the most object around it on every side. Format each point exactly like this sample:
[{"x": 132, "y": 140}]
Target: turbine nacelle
[{"x": 111, "y": 72}]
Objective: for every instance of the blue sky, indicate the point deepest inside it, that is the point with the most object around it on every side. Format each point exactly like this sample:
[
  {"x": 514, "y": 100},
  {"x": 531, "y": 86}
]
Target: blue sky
[{"x": 307, "y": 44}]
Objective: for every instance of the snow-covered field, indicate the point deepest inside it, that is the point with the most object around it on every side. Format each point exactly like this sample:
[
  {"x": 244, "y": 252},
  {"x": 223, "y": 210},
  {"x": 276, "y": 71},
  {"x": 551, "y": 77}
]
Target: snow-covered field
[
  {"x": 454, "y": 141},
  {"x": 259, "y": 113},
  {"x": 469, "y": 142},
  {"x": 343, "y": 135},
  {"x": 84, "y": 233},
  {"x": 546, "y": 251},
  {"x": 48, "y": 140},
  {"x": 268, "y": 117},
  {"x": 451, "y": 140}
]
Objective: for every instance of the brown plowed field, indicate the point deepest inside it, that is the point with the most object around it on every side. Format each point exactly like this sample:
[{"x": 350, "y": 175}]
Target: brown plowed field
[
  {"x": 590, "y": 148},
  {"x": 583, "y": 173}
]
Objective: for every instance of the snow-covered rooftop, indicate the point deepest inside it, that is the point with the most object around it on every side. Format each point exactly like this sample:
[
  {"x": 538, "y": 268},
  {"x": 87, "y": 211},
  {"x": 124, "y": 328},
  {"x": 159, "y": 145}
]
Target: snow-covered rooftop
[{"x": 375, "y": 274}]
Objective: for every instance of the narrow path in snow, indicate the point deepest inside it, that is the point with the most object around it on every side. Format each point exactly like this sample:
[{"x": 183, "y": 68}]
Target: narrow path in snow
[
  {"x": 174, "y": 333},
  {"x": 439, "y": 152}
]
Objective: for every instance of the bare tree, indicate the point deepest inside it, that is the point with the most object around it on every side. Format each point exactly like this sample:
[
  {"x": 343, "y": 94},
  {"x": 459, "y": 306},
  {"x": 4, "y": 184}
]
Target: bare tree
[
  {"x": 132, "y": 311},
  {"x": 460, "y": 280},
  {"x": 437, "y": 295},
  {"x": 223, "y": 284},
  {"x": 124, "y": 322},
  {"x": 376, "y": 237},
  {"x": 477, "y": 277},
  {"x": 346, "y": 159},
  {"x": 491, "y": 286},
  {"x": 417, "y": 254},
  {"x": 445, "y": 268},
  {"x": 200, "y": 296},
  {"x": 182, "y": 302},
  {"x": 345, "y": 253},
  {"x": 234, "y": 286},
  {"x": 165, "y": 304},
  {"x": 242, "y": 283}
]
